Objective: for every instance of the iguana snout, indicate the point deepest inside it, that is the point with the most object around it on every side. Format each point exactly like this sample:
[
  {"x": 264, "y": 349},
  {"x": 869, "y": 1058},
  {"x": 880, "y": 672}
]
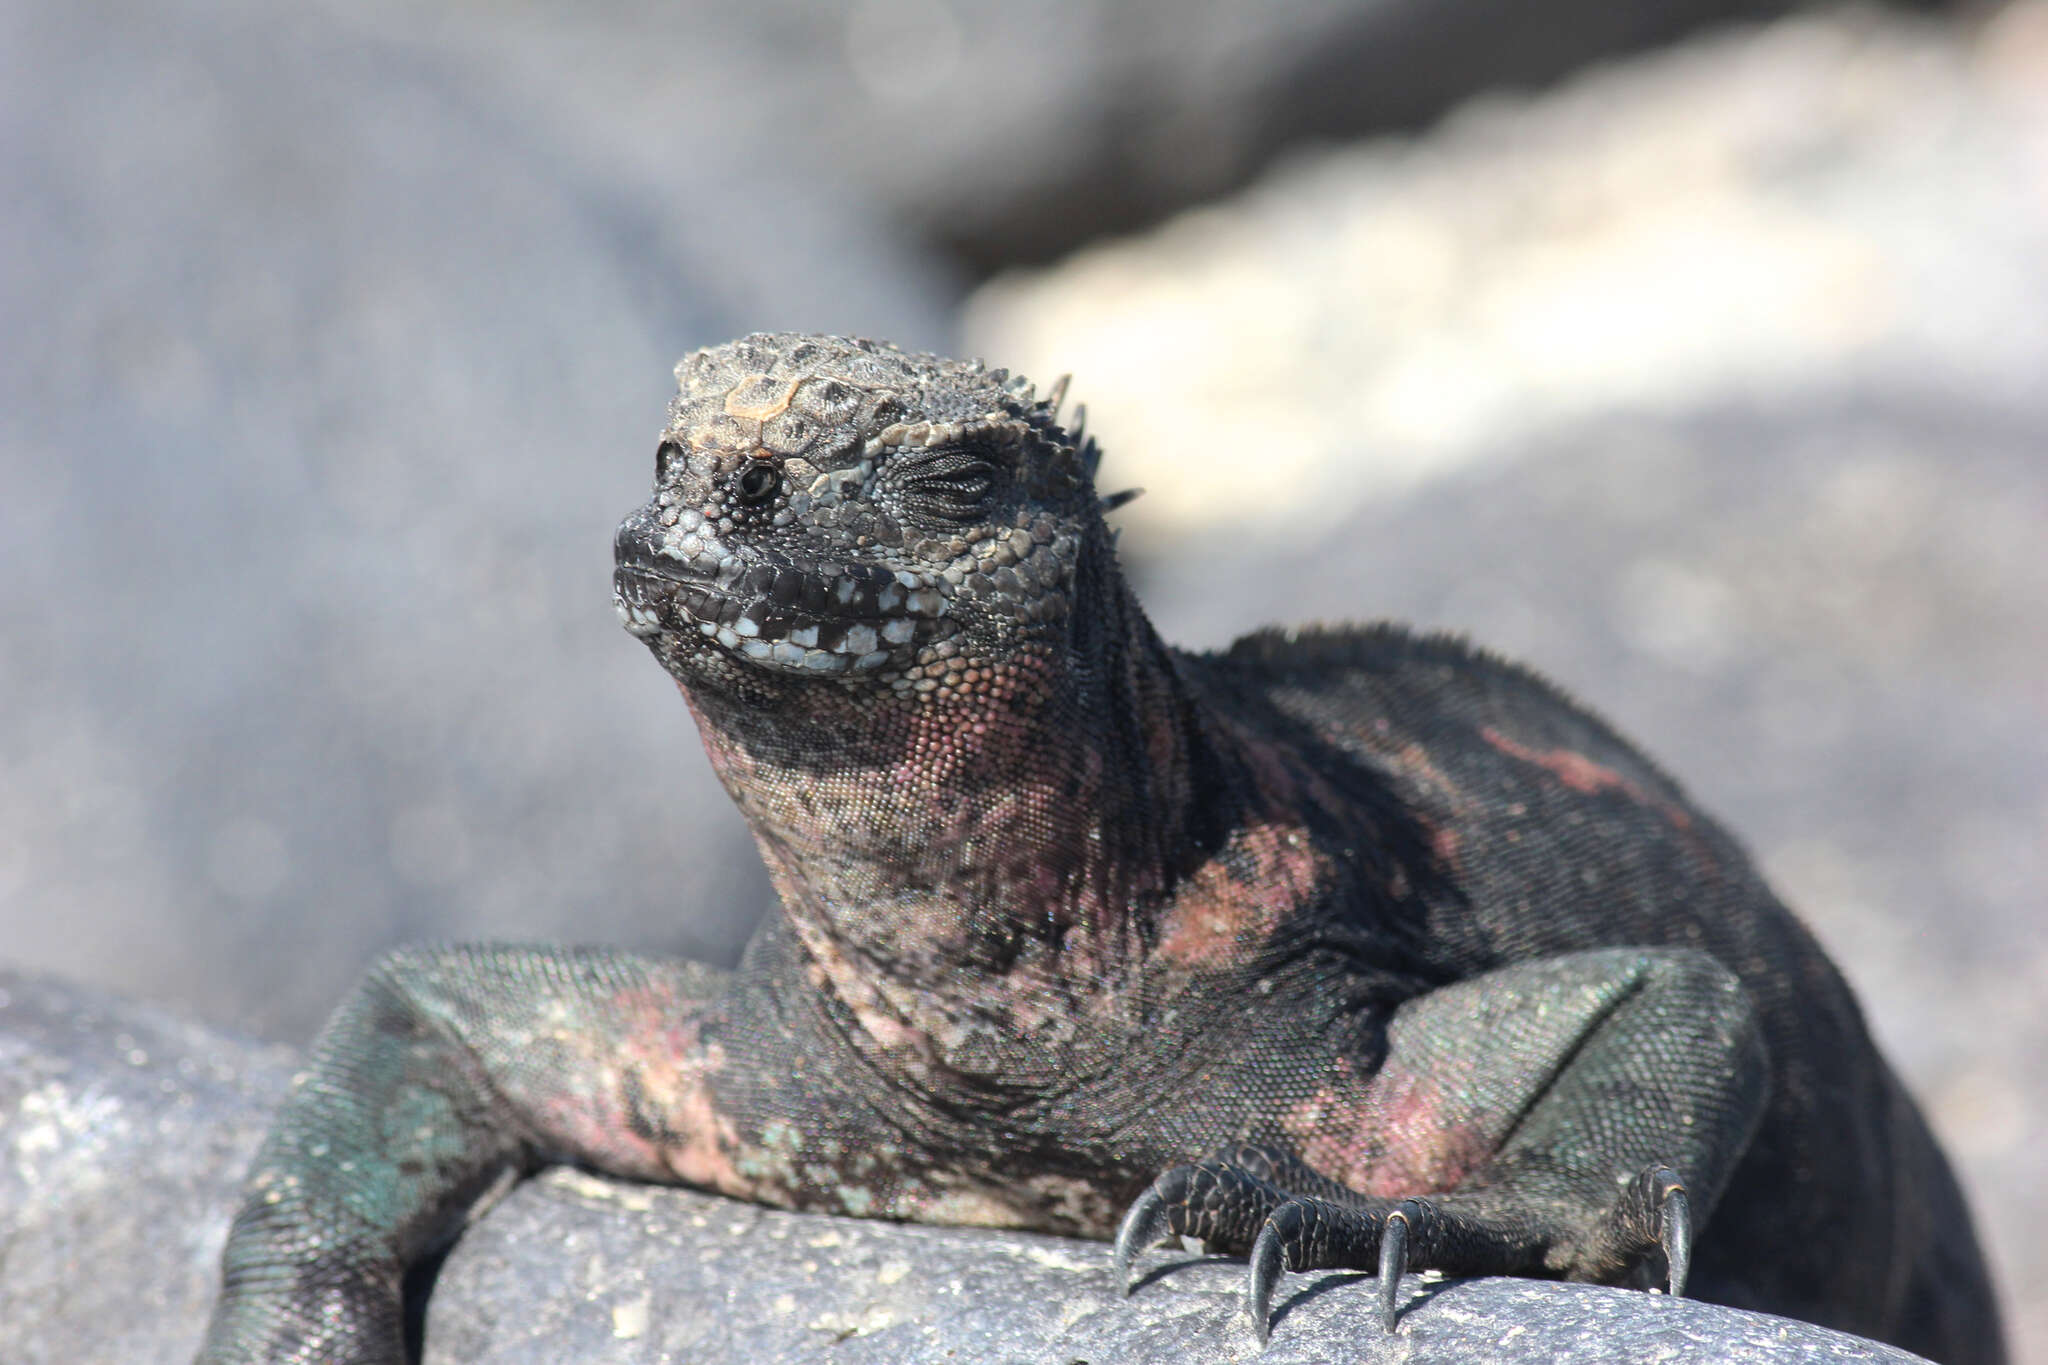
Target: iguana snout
[{"x": 841, "y": 512}]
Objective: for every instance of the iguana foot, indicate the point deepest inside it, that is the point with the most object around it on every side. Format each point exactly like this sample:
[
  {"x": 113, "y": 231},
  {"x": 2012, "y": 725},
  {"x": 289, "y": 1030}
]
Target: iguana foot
[
  {"x": 1311, "y": 1234},
  {"x": 1651, "y": 1222},
  {"x": 1289, "y": 1218},
  {"x": 1219, "y": 1201},
  {"x": 1223, "y": 1201}
]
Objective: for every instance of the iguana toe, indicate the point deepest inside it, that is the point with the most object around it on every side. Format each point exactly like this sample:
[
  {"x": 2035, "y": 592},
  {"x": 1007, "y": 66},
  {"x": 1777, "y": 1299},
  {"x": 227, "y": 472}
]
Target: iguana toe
[{"x": 1144, "y": 1226}]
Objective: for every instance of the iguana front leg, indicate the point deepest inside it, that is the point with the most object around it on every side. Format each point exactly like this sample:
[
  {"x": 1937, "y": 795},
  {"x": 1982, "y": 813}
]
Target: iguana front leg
[
  {"x": 1571, "y": 1117},
  {"x": 447, "y": 1072}
]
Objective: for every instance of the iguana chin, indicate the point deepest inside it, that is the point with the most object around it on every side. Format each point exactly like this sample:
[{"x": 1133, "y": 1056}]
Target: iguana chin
[{"x": 1343, "y": 947}]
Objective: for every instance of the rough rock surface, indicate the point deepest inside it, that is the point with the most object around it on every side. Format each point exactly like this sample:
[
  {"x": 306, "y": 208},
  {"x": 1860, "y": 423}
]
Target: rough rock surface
[
  {"x": 654, "y": 1275},
  {"x": 123, "y": 1133}
]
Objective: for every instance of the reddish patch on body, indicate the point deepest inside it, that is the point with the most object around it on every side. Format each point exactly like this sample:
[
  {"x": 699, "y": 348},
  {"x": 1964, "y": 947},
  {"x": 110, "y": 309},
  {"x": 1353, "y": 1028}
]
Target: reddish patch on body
[
  {"x": 1583, "y": 775},
  {"x": 704, "y": 1156},
  {"x": 1233, "y": 903},
  {"x": 1444, "y": 845},
  {"x": 1398, "y": 1134},
  {"x": 864, "y": 993},
  {"x": 654, "y": 1067},
  {"x": 1433, "y": 785}
]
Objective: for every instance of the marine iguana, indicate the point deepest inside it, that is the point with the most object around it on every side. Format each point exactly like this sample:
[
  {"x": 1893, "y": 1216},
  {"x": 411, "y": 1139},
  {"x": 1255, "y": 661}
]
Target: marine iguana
[{"x": 1341, "y": 947}]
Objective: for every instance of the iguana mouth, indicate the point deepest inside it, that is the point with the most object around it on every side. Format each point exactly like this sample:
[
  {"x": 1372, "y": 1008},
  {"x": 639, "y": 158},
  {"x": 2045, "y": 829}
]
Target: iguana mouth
[{"x": 823, "y": 621}]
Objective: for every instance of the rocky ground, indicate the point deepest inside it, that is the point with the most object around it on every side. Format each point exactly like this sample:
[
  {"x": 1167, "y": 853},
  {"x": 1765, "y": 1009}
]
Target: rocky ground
[{"x": 1708, "y": 381}]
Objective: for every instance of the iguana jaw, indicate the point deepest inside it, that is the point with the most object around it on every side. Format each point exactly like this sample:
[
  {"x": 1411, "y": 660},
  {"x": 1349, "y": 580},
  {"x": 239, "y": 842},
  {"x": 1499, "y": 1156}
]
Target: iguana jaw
[{"x": 783, "y": 617}]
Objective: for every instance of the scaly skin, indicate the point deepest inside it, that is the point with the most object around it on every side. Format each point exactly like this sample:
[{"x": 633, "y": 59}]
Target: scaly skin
[{"x": 1339, "y": 948}]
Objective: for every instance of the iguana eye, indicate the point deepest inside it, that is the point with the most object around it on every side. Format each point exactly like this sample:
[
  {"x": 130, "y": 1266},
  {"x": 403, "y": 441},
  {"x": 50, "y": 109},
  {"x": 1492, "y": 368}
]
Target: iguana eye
[
  {"x": 951, "y": 485},
  {"x": 757, "y": 483},
  {"x": 668, "y": 457}
]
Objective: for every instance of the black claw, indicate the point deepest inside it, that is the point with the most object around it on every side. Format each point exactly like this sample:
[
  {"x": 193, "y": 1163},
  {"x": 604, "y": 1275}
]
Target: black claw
[
  {"x": 1674, "y": 1230},
  {"x": 1265, "y": 1274},
  {"x": 1393, "y": 1265},
  {"x": 1143, "y": 1226}
]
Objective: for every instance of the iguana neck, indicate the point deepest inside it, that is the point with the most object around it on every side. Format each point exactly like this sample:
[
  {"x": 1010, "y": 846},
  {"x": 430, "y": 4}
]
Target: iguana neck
[{"x": 1027, "y": 827}]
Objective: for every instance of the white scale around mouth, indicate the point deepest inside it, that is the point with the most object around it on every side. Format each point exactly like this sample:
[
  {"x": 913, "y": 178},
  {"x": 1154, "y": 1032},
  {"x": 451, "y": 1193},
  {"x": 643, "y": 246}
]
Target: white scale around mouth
[{"x": 861, "y": 647}]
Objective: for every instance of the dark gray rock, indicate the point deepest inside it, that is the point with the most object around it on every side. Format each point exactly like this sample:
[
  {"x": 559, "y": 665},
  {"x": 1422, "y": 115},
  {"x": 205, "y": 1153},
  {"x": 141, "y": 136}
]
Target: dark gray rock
[
  {"x": 1002, "y": 132},
  {"x": 124, "y": 1133},
  {"x": 575, "y": 1268}
]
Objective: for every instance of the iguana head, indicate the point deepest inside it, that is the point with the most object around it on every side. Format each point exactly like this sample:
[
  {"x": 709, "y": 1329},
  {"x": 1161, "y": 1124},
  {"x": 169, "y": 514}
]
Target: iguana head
[
  {"x": 838, "y": 514},
  {"x": 886, "y": 587}
]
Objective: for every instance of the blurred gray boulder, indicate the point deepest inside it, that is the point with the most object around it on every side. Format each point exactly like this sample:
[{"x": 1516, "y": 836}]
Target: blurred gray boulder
[
  {"x": 1004, "y": 132},
  {"x": 124, "y": 1133},
  {"x": 332, "y": 366}
]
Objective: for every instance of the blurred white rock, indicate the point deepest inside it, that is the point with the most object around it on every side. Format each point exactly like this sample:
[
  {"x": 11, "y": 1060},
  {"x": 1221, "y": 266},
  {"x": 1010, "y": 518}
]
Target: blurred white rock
[{"x": 1834, "y": 200}]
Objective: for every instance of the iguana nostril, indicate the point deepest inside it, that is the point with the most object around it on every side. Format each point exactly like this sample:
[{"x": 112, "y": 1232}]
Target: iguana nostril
[{"x": 758, "y": 483}]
